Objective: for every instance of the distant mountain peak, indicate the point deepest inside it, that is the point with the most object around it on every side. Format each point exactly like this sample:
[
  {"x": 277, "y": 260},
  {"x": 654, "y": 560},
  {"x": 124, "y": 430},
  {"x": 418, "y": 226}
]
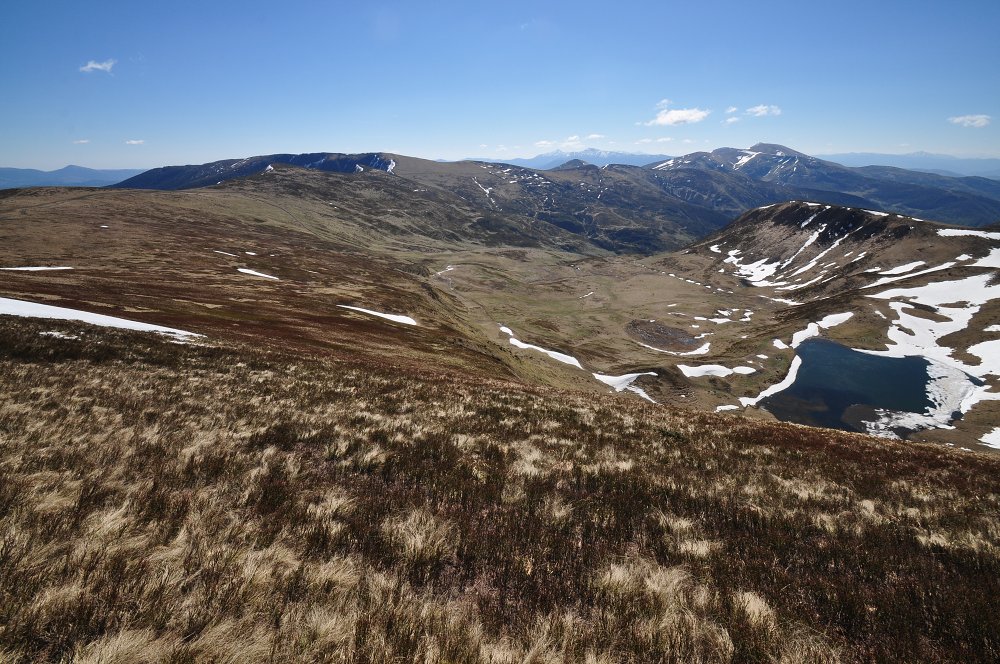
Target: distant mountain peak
[
  {"x": 551, "y": 160},
  {"x": 571, "y": 164},
  {"x": 776, "y": 150}
]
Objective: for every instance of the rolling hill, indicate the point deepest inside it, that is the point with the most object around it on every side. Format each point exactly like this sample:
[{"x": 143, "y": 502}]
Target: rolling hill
[
  {"x": 400, "y": 415},
  {"x": 624, "y": 208}
]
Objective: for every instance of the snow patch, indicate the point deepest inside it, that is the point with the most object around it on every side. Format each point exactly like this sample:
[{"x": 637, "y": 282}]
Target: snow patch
[
  {"x": 786, "y": 382},
  {"x": 33, "y": 310},
  {"x": 396, "y": 318},
  {"x": 713, "y": 370},
  {"x": 256, "y": 274},
  {"x": 901, "y": 269},
  {"x": 960, "y": 232},
  {"x": 812, "y": 330},
  {"x": 991, "y": 439},
  {"x": 555, "y": 355},
  {"x": 34, "y": 269},
  {"x": 624, "y": 382},
  {"x": 701, "y": 350}
]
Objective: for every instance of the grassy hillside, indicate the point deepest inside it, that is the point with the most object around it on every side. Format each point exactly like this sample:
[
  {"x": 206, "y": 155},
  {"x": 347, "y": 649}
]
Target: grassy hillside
[{"x": 219, "y": 502}]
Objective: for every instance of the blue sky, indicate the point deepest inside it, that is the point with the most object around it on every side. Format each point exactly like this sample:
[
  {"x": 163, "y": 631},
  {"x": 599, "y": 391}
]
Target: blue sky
[{"x": 138, "y": 84}]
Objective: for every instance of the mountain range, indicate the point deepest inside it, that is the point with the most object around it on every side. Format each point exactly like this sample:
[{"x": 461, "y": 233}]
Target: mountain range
[
  {"x": 941, "y": 164},
  {"x": 589, "y": 155},
  {"x": 659, "y": 206},
  {"x": 69, "y": 176},
  {"x": 373, "y": 408}
]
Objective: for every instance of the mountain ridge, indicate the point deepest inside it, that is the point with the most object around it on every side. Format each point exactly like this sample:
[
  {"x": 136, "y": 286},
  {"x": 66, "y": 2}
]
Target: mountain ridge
[
  {"x": 692, "y": 194},
  {"x": 67, "y": 176}
]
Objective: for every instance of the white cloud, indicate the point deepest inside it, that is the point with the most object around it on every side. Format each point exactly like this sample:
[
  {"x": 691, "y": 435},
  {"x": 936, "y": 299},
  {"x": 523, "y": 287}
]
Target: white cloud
[
  {"x": 763, "y": 110},
  {"x": 544, "y": 144},
  {"x": 98, "y": 66},
  {"x": 644, "y": 141},
  {"x": 676, "y": 116},
  {"x": 663, "y": 103},
  {"x": 571, "y": 144},
  {"x": 594, "y": 137},
  {"x": 81, "y": 141},
  {"x": 483, "y": 146},
  {"x": 665, "y": 139},
  {"x": 135, "y": 141},
  {"x": 977, "y": 121},
  {"x": 730, "y": 121},
  {"x": 731, "y": 110}
]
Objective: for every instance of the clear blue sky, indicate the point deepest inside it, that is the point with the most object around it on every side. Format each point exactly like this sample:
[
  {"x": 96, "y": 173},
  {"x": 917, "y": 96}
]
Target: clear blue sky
[{"x": 190, "y": 82}]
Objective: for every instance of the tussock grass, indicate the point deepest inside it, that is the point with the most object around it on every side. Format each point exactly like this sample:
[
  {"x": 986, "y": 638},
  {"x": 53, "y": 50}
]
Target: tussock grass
[{"x": 171, "y": 503}]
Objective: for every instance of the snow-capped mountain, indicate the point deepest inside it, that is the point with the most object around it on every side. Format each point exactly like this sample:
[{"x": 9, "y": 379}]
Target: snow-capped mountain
[{"x": 968, "y": 200}]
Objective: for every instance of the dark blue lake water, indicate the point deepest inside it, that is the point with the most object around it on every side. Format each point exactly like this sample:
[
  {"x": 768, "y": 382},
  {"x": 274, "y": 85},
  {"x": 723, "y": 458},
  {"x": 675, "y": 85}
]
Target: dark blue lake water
[{"x": 840, "y": 388}]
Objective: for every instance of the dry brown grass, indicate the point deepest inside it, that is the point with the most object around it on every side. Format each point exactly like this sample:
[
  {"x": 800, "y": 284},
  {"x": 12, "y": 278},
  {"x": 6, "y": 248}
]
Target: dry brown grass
[{"x": 170, "y": 503}]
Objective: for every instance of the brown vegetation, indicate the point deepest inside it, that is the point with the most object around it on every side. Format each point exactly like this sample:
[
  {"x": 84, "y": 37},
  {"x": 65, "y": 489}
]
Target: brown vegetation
[{"x": 177, "y": 503}]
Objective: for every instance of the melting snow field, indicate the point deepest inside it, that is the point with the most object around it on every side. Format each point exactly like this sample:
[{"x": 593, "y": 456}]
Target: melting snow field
[
  {"x": 991, "y": 439},
  {"x": 624, "y": 382},
  {"x": 713, "y": 370},
  {"x": 959, "y": 232},
  {"x": 619, "y": 383},
  {"x": 34, "y": 310},
  {"x": 396, "y": 318},
  {"x": 812, "y": 330},
  {"x": 955, "y": 303}
]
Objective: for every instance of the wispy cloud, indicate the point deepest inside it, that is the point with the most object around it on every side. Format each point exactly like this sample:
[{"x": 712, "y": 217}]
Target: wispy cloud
[
  {"x": 81, "y": 141},
  {"x": 763, "y": 110},
  {"x": 731, "y": 110},
  {"x": 544, "y": 144},
  {"x": 135, "y": 141},
  {"x": 594, "y": 137},
  {"x": 731, "y": 120},
  {"x": 977, "y": 121},
  {"x": 93, "y": 65},
  {"x": 675, "y": 116}
]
